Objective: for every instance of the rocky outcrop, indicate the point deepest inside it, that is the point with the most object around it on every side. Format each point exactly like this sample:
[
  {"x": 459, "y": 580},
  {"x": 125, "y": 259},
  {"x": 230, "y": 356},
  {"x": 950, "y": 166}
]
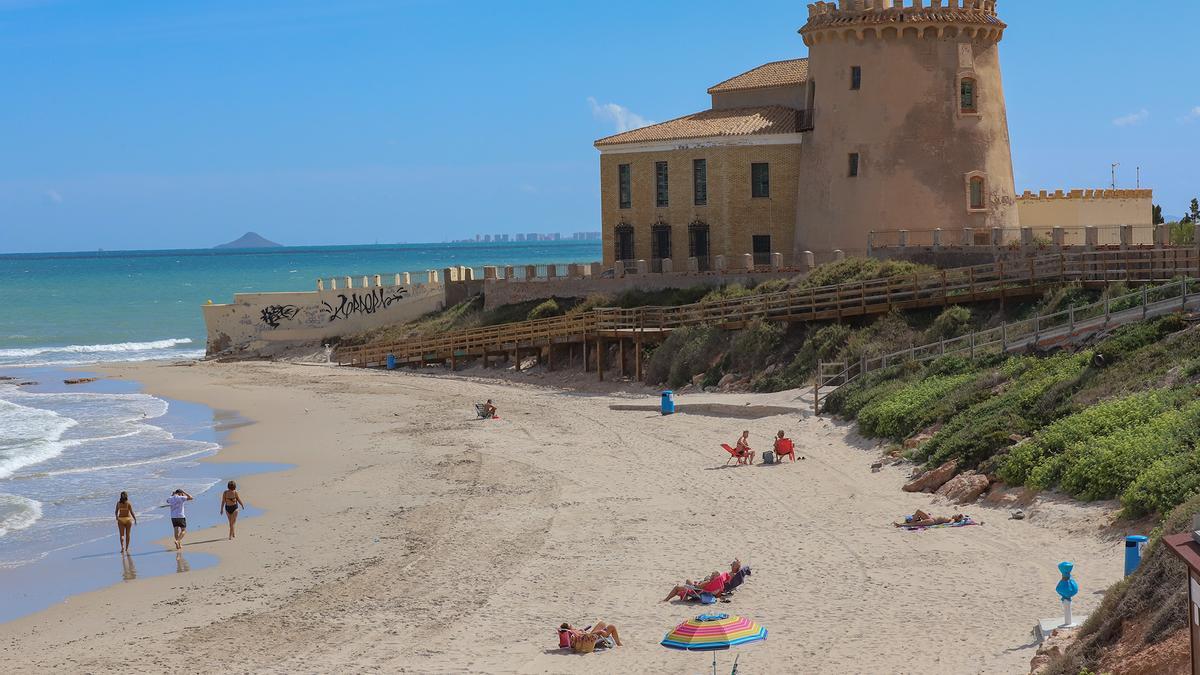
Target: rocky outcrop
[
  {"x": 933, "y": 479},
  {"x": 965, "y": 487},
  {"x": 1052, "y": 648}
]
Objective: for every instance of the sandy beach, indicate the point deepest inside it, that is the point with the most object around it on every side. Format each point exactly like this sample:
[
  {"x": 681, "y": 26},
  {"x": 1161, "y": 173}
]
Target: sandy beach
[{"x": 410, "y": 537}]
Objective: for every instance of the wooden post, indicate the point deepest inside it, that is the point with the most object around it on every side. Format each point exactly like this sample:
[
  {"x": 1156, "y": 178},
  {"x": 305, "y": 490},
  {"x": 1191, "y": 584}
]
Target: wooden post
[
  {"x": 517, "y": 358},
  {"x": 549, "y": 354},
  {"x": 587, "y": 364},
  {"x": 600, "y": 358},
  {"x": 637, "y": 357},
  {"x": 485, "y": 355},
  {"x": 621, "y": 355},
  {"x": 453, "y": 360}
]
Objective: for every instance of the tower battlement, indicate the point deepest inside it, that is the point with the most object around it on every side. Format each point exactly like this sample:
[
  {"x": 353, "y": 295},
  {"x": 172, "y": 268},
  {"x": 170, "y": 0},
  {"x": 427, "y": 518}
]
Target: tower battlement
[{"x": 859, "y": 19}]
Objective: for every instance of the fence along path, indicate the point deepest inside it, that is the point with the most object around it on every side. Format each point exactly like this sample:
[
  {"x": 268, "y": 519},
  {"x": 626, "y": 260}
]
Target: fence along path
[
  {"x": 1039, "y": 330},
  {"x": 996, "y": 281}
]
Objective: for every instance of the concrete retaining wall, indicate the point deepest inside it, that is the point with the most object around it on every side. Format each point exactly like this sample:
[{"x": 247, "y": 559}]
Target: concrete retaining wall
[{"x": 259, "y": 320}]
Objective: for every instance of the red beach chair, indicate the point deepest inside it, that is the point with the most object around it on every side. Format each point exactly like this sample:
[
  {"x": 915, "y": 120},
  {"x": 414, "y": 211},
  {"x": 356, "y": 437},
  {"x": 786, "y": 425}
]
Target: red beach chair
[
  {"x": 734, "y": 454},
  {"x": 783, "y": 448}
]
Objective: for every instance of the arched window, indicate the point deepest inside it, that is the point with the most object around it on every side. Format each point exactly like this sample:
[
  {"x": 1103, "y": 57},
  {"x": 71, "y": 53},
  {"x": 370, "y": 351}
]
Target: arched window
[
  {"x": 975, "y": 188},
  {"x": 967, "y": 95}
]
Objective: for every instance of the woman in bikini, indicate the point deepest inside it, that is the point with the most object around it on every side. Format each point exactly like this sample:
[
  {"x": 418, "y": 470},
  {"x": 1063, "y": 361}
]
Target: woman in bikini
[
  {"x": 126, "y": 519},
  {"x": 231, "y": 501},
  {"x": 587, "y": 639}
]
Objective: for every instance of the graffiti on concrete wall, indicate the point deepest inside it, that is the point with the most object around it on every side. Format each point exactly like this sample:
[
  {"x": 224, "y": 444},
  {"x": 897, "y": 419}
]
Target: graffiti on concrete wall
[
  {"x": 273, "y": 314},
  {"x": 367, "y": 302}
]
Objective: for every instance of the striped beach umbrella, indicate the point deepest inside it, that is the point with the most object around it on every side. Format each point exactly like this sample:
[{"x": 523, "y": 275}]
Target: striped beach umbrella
[{"x": 714, "y": 631}]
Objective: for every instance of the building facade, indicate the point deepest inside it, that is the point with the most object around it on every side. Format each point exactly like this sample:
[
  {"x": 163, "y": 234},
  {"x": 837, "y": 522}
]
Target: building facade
[{"x": 895, "y": 120}]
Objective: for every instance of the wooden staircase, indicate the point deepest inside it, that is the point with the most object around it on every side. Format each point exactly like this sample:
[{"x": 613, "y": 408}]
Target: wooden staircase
[{"x": 585, "y": 336}]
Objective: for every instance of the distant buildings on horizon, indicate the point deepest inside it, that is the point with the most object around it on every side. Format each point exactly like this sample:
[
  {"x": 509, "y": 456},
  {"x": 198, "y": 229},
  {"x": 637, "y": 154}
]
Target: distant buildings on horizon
[{"x": 531, "y": 236}]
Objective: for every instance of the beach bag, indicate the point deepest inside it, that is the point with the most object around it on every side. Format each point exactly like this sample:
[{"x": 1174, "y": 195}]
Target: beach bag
[
  {"x": 564, "y": 639},
  {"x": 585, "y": 644},
  {"x": 769, "y": 457}
]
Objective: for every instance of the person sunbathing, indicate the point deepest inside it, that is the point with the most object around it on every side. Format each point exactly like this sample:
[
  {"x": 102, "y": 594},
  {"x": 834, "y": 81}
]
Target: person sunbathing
[
  {"x": 489, "y": 409},
  {"x": 584, "y": 640},
  {"x": 737, "y": 575},
  {"x": 690, "y": 590},
  {"x": 921, "y": 519},
  {"x": 743, "y": 447}
]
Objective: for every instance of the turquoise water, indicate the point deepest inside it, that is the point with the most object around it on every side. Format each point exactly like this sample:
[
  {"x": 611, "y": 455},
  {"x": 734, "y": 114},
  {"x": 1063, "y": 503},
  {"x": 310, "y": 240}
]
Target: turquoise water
[{"x": 74, "y": 308}]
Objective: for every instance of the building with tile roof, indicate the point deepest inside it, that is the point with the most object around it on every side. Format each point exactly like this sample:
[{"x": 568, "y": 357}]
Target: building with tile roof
[{"x": 895, "y": 119}]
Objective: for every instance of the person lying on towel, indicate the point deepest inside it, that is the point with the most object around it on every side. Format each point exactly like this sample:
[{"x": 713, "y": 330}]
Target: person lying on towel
[
  {"x": 584, "y": 640},
  {"x": 921, "y": 519}
]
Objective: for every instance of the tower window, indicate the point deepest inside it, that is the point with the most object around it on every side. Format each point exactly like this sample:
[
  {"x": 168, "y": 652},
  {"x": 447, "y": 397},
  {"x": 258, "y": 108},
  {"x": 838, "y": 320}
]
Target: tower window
[
  {"x": 700, "y": 181},
  {"x": 853, "y": 173},
  {"x": 975, "y": 193},
  {"x": 855, "y": 77},
  {"x": 966, "y": 95},
  {"x": 760, "y": 180},
  {"x": 625, "y": 193},
  {"x": 660, "y": 181}
]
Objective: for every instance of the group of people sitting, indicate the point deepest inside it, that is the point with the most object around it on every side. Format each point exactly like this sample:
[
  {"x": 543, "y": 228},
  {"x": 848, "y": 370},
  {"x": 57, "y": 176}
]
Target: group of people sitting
[
  {"x": 744, "y": 454},
  {"x": 715, "y": 586}
]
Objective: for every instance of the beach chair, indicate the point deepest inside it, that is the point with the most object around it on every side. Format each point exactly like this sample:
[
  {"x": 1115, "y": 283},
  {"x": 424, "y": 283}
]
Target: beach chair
[
  {"x": 481, "y": 411},
  {"x": 784, "y": 448},
  {"x": 734, "y": 454}
]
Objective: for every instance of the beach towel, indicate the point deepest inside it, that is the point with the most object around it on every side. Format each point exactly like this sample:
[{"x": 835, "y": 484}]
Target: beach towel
[{"x": 963, "y": 523}]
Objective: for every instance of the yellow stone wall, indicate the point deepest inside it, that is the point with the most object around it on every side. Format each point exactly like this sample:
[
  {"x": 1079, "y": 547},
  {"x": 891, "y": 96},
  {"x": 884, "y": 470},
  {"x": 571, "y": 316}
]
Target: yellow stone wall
[
  {"x": 733, "y": 216},
  {"x": 1074, "y": 209}
]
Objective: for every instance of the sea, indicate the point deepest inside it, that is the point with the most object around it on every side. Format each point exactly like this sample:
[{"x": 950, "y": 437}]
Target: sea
[{"x": 68, "y": 450}]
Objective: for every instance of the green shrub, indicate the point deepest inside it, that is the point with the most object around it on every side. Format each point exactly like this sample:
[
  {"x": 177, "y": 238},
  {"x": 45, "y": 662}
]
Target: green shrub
[
  {"x": 984, "y": 428},
  {"x": 686, "y": 352},
  {"x": 730, "y": 292},
  {"x": 848, "y": 400},
  {"x": 772, "y": 286},
  {"x": 1105, "y": 467},
  {"x": 951, "y": 323},
  {"x": 859, "y": 269},
  {"x": 545, "y": 310},
  {"x": 1166, "y": 483},
  {"x": 1097, "y": 420},
  {"x": 905, "y": 411},
  {"x": 751, "y": 346},
  {"x": 592, "y": 302}
]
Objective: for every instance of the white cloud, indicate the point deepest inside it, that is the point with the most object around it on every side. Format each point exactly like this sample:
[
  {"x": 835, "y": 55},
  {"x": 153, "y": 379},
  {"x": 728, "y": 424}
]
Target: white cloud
[
  {"x": 1192, "y": 116},
  {"x": 624, "y": 118},
  {"x": 1132, "y": 118},
  {"x": 54, "y": 196},
  {"x": 531, "y": 189}
]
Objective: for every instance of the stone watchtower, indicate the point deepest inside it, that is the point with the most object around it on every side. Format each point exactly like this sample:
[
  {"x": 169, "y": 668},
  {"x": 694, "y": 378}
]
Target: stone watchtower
[{"x": 908, "y": 126}]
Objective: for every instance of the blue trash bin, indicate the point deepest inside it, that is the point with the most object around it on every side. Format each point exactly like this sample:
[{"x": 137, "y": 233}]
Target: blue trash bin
[
  {"x": 1134, "y": 544},
  {"x": 668, "y": 405},
  {"x": 391, "y": 362}
]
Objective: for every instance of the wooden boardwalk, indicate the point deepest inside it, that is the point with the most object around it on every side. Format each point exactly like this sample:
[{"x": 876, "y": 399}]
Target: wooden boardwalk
[{"x": 584, "y": 337}]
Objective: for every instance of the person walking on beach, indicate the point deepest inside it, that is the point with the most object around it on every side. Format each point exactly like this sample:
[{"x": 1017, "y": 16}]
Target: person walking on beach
[
  {"x": 231, "y": 501},
  {"x": 126, "y": 519},
  {"x": 178, "y": 516}
]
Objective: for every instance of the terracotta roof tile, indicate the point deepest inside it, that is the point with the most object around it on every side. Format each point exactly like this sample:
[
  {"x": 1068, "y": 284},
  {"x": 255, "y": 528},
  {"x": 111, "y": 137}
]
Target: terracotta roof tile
[
  {"x": 774, "y": 74},
  {"x": 710, "y": 123}
]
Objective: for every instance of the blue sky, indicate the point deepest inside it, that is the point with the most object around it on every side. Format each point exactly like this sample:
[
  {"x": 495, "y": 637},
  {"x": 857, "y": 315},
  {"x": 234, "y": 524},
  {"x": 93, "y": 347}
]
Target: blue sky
[{"x": 184, "y": 124}]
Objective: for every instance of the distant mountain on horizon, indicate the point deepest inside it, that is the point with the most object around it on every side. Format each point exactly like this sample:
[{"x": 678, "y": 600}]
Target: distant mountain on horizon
[{"x": 249, "y": 240}]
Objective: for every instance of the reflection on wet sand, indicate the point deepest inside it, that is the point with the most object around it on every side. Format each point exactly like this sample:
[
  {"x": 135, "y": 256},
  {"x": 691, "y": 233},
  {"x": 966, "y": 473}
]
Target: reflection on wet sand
[
  {"x": 128, "y": 571},
  {"x": 181, "y": 563}
]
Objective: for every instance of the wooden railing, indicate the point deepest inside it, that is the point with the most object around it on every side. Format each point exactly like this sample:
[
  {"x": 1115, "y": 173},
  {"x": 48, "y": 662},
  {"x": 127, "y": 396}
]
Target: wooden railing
[
  {"x": 996, "y": 281},
  {"x": 1036, "y": 330}
]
